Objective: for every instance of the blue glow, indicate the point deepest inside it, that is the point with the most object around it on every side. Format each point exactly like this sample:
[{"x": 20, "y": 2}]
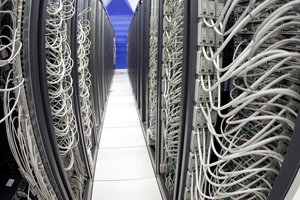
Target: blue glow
[{"x": 120, "y": 15}]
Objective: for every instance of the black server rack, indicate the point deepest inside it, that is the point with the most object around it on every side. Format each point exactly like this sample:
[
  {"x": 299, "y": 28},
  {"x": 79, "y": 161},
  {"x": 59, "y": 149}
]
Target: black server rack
[
  {"x": 55, "y": 73},
  {"x": 138, "y": 58},
  {"x": 147, "y": 60},
  {"x": 282, "y": 182},
  {"x": 138, "y": 55},
  {"x": 199, "y": 116}
]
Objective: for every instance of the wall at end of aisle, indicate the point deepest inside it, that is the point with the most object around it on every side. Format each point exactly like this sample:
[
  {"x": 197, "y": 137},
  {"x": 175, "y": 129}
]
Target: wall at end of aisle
[{"x": 120, "y": 14}]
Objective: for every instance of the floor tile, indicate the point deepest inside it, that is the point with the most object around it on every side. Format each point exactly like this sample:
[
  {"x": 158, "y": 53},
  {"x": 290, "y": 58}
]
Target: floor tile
[
  {"x": 113, "y": 124},
  {"x": 120, "y": 86},
  {"x": 121, "y": 71},
  {"x": 116, "y": 87},
  {"x": 122, "y": 137},
  {"x": 122, "y": 111},
  {"x": 119, "y": 105},
  {"x": 130, "y": 118},
  {"x": 123, "y": 170},
  {"x": 116, "y": 100},
  {"x": 144, "y": 189},
  {"x": 123, "y": 164},
  {"x": 120, "y": 93},
  {"x": 119, "y": 114},
  {"x": 118, "y": 80}
]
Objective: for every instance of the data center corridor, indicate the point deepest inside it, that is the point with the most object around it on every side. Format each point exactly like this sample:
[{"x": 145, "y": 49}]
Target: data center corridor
[
  {"x": 123, "y": 170},
  {"x": 207, "y": 108}
]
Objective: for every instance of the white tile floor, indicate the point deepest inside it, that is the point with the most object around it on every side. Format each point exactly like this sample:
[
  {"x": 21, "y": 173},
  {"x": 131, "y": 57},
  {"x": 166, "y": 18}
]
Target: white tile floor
[{"x": 123, "y": 169}]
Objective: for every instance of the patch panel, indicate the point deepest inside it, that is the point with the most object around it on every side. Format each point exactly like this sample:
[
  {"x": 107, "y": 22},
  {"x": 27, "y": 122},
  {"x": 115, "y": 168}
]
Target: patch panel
[
  {"x": 204, "y": 66},
  {"x": 203, "y": 96},
  {"x": 200, "y": 119}
]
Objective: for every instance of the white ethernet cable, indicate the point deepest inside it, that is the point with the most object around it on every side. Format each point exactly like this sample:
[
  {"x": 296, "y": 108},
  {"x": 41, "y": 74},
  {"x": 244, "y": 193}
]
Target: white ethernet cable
[
  {"x": 171, "y": 86},
  {"x": 259, "y": 120},
  {"x": 153, "y": 70},
  {"x": 59, "y": 66},
  {"x": 19, "y": 131},
  {"x": 84, "y": 78}
]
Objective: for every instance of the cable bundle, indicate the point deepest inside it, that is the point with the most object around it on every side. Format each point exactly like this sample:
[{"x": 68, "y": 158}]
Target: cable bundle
[
  {"x": 84, "y": 78},
  {"x": 243, "y": 159},
  {"x": 19, "y": 131},
  {"x": 153, "y": 70},
  {"x": 59, "y": 67},
  {"x": 171, "y": 85},
  {"x": 114, "y": 52}
]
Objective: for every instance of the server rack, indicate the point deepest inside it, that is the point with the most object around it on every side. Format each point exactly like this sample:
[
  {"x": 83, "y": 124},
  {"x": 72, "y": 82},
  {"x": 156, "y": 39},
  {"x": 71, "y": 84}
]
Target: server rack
[
  {"x": 195, "y": 37},
  {"x": 101, "y": 66},
  {"x": 290, "y": 166},
  {"x": 139, "y": 55},
  {"x": 131, "y": 52},
  {"x": 138, "y": 43},
  {"x": 138, "y": 64},
  {"x": 37, "y": 91},
  {"x": 31, "y": 127}
]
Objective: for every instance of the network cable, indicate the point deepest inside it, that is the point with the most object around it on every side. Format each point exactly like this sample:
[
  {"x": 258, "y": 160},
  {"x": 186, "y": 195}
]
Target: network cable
[
  {"x": 59, "y": 66},
  {"x": 21, "y": 139},
  {"x": 84, "y": 79},
  {"x": 171, "y": 87},
  {"x": 153, "y": 70},
  {"x": 243, "y": 159}
]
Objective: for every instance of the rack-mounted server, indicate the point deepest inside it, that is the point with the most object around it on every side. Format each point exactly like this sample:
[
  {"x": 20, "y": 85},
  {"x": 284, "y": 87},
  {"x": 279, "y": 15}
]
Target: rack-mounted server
[
  {"x": 55, "y": 74},
  {"x": 163, "y": 92},
  {"x": 236, "y": 66}
]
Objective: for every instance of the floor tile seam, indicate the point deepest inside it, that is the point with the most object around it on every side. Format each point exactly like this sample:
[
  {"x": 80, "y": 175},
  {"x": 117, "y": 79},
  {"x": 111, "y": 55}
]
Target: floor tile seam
[
  {"x": 120, "y": 104},
  {"x": 121, "y": 95},
  {"x": 122, "y": 127},
  {"x": 119, "y": 126},
  {"x": 128, "y": 106},
  {"x": 121, "y": 87},
  {"x": 121, "y": 115},
  {"x": 120, "y": 91},
  {"x": 144, "y": 146},
  {"x": 130, "y": 119},
  {"x": 122, "y": 120},
  {"x": 128, "y": 109},
  {"x": 124, "y": 180},
  {"x": 127, "y": 147},
  {"x": 116, "y": 110}
]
